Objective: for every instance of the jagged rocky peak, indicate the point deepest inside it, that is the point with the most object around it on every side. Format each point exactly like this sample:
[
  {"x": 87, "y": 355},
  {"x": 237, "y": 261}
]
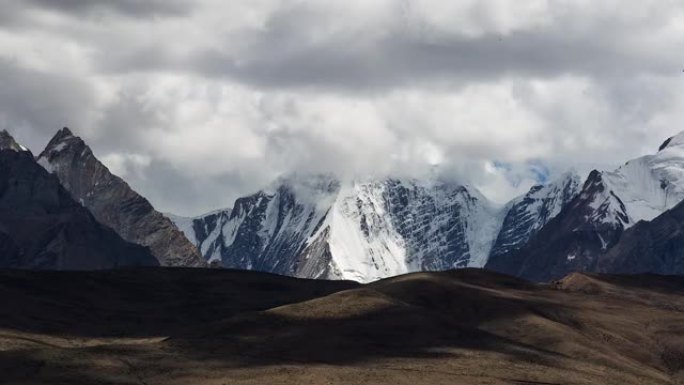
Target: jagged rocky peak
[
  {"x": 42, "y": 227},
  {"x": 527, "y": 214},
  {"x": 646, "y": 187},
  {"x": 63, "y": 150},
  {"x": 63, "y": 134},
  {"x": 64, "y": 139},
  {"x": 114, "y": 203},
  {"x": 593, "y": 223},
  {"x": 366, "y": 228},
  {"x": 7, "y": 142}
]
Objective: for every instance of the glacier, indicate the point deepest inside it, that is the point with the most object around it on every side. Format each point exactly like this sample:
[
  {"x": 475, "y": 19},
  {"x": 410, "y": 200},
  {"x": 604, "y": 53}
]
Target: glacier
[{"x": 365, "y": 229}]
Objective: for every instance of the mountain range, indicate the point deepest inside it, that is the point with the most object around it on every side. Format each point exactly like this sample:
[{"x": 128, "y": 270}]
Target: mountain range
[
  {"x": 366, "y": 229},
  {"x": 318, "y": 226},
  {"x": 590, "y": 233}
]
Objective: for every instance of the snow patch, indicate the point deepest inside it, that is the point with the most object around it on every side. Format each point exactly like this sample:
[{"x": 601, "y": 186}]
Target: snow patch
[
  {"x": 185, "y": 225},
  {"x": 59, "y": 147},
  {"x": 643, "y": 188},
  {"x": 372, "y": 228},
  {"x": 46, "y": 165}
]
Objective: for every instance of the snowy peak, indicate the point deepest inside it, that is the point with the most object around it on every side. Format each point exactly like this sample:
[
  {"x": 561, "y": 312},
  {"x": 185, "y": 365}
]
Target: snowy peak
[
  {"x": 639, "y": 190},
  {"x": 63, "y": 150},
  {"x": 63, "y": 140},
  {"x": 609, "y": 203},
  {"x": 529, "y": 213},
  {"x": 646, "y": 187},
  {"x": 7, "y": 142},
  {"x": 363, "y": 229}
]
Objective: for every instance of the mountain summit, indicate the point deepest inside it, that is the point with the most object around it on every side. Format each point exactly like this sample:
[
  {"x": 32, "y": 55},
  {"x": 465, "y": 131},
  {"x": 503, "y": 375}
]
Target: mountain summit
[
  {"x": 609, "y": 203},
  {"x": 7, "y": 142},
  {"x": 114, "y": 203},
  {"x": 42, "y": 227},
  {"x": 367, "y": 229}
]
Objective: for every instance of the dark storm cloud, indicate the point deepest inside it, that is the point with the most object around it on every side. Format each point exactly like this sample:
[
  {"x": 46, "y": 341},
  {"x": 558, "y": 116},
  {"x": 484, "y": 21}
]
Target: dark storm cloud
[
  {"x": 291, "y": 52},
  {"x": 397, "y": 63},
  {"x": 134, "y": 8},
  {"x": 197, "y": 102},
  {"x": 34, "y": 104}
]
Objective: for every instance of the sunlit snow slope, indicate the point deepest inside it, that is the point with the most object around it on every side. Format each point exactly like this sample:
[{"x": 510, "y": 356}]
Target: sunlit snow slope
[
  {"x": 589, "y": 226},
  {"x": 319, "y": 227}
]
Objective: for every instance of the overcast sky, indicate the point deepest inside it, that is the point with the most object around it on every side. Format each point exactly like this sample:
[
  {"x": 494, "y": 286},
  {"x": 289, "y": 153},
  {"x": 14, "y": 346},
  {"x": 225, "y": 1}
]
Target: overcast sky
[{"x": 197, "y": 102}]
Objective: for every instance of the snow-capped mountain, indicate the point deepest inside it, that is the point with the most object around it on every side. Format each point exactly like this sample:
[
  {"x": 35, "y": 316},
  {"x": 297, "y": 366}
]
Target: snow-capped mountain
[
  {"x": 42, "y": 227},
  {"x": 320, "y": 227},
  {"x": 114, "y": 203},
  {"x": 526, "y": 215},
  {"x": 405, "y": 225},
  {"x": 645, "y": 187},
  {"x": 374, "y": 228},
  {"x": 204, "y": 231},
  {"x": 365, "y": 229},
  {"x": 592, "y": 223}
]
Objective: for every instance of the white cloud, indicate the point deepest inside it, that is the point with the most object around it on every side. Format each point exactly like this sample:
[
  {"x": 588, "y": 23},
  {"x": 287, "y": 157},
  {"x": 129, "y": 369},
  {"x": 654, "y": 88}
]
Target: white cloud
[{"x": 198, "y": 102}]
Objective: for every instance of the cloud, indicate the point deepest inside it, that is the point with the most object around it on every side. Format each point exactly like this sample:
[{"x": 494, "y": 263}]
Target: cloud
[
  {"x": 134, "y": 8},
  {"x": 362, "y": 47},
  {"x": 33, "y": 103},
  {"x": 198, "y": 102}
]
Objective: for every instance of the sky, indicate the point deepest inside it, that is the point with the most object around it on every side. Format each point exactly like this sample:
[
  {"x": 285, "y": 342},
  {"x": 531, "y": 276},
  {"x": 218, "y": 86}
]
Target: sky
[{"x": 198, "y": 102}]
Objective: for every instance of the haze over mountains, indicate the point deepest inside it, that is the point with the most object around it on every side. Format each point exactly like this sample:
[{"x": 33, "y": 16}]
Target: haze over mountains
[
  {"x": 318, "y": 226},
  {"x": 369, "y": 229}
]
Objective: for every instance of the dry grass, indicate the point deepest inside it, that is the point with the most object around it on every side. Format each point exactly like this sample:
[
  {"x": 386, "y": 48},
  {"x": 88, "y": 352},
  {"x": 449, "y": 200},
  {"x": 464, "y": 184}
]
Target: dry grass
[{"x": 159, "y": 326}]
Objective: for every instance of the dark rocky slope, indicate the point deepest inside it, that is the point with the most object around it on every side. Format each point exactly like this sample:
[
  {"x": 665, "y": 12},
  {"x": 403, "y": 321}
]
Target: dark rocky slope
[
  {"x": 572, "y": 241},
  {"x": 649, "y": 247},
  {"x": 114, "y": 203},
  {"x": 42, "y": 227}
]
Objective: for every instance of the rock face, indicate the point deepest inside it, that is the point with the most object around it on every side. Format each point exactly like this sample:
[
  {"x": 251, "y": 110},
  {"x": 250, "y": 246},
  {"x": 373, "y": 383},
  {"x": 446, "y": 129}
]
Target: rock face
[
  {"x": 42, "y": 227},
  {"x": 594, "y": 222},
  {"x": 7, "y": 142},
  {"x": 530, "y": 213},
  {"x": 655, "y": 247},
  {"x": 570, "y": 242},
  {"x": 319, "y": 227},
  {"x": 204, "y": 231},
  {"x": 114, "y": 203}
]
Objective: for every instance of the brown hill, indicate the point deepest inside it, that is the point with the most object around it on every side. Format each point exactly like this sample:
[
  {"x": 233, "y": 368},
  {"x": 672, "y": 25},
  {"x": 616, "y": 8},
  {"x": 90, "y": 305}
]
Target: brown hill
[{"x": 461, "y": 327}]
